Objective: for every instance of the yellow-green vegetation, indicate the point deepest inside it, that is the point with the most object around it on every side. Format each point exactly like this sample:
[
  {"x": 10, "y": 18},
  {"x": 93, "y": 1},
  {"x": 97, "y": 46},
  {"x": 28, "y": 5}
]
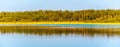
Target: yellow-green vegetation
[
  {"x": 55, "y": 23},
  {"x": 82, "y": 16}
]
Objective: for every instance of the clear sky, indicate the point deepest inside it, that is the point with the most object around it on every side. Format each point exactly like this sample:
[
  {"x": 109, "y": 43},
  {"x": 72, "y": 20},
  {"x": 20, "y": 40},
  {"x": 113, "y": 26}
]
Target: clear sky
[{"x": 21, "y": 5}]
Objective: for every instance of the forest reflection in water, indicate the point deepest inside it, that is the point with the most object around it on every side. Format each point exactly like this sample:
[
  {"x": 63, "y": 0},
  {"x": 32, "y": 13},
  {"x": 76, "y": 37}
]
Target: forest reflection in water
[{"x": 48, "y": 31}]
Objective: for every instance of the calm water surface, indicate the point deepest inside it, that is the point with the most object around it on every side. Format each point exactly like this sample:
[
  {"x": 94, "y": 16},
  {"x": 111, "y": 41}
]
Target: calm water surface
[
  {"x": 69, "y": 25},
  {"x": 39, "y": 36}
]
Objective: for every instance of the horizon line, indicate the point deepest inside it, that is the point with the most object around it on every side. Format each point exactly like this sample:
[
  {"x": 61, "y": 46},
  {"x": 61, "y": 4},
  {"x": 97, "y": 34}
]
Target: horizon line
[{"x": 55, "y": 10}]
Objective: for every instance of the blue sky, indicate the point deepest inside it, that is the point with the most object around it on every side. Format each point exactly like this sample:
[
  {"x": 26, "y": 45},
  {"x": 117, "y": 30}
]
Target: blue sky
[{"x": 22, "y": 5}]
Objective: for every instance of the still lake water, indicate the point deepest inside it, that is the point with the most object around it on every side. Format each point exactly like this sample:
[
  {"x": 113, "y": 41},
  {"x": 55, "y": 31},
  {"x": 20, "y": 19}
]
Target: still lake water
[{"x": 42, "y": 36}]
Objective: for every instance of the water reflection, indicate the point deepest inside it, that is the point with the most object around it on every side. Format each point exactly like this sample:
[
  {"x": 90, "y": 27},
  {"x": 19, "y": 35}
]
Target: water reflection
[{"x": 48, "y": 31}]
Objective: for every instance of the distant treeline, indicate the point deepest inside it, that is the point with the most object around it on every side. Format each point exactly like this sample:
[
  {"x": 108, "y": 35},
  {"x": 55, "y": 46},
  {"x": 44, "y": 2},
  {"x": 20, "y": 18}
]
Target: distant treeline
[{"x": 90, "y": 15}]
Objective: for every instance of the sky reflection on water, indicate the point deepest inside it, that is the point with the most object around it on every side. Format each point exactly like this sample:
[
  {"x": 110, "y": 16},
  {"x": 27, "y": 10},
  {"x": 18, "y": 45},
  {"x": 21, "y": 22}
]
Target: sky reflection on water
[{"x": 58, "y": 37}]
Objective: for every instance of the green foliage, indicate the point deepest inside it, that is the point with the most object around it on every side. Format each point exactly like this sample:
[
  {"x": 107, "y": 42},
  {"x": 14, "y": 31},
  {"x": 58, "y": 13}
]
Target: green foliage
[{"x": 91, "y": 15}]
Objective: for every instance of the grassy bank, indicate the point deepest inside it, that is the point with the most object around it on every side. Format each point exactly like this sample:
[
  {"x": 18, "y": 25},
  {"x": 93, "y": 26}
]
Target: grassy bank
[{"x": 52, "y": 23}]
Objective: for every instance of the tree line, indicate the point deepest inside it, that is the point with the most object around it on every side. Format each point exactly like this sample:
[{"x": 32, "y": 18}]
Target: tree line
[{"x": 89, "y": 15}]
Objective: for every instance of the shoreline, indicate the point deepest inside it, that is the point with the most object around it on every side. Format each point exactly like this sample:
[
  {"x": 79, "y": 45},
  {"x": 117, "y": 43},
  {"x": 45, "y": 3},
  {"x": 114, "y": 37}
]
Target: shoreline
[{"x": 52, "y": 23}]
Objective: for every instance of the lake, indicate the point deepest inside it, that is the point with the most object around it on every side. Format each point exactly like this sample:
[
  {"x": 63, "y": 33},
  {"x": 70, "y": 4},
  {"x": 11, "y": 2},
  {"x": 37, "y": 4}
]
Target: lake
[
  {"x": 69, "y": 25},
  {"x": 60, "y": 36}
]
